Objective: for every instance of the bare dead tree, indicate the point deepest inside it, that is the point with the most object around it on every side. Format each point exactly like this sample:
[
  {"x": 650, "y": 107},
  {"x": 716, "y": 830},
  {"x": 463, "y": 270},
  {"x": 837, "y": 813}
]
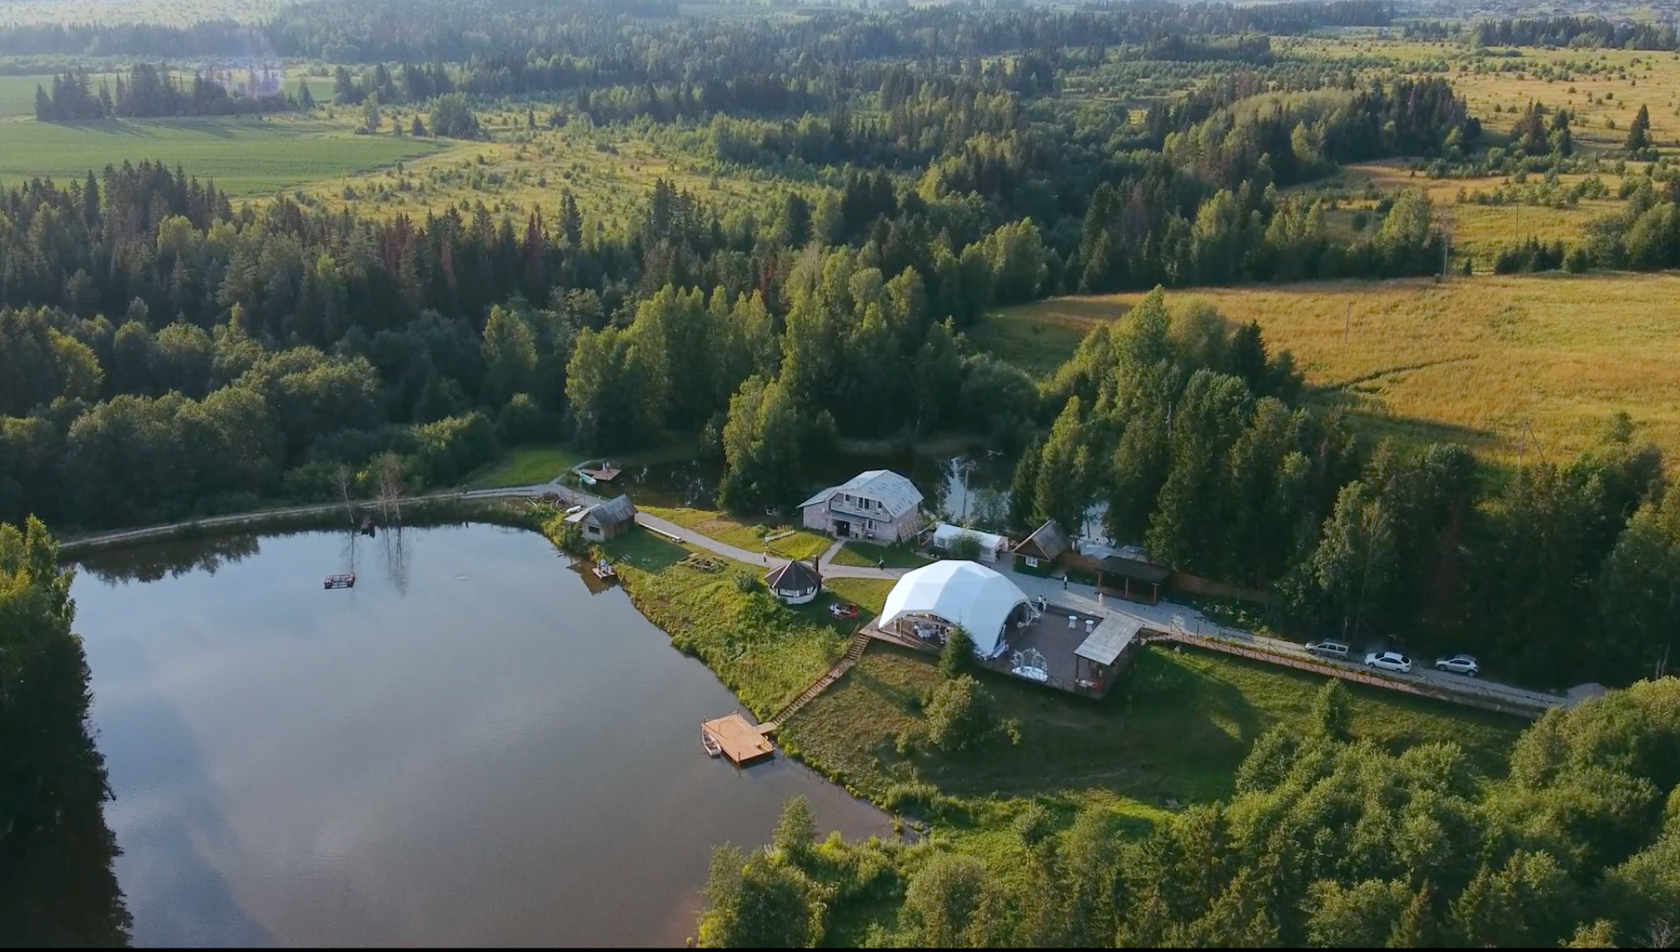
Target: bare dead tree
[
  {"x": 391, "y": 489},
  {"x": 1660, "y": 934},
  {"x": 346, "y": 481}
]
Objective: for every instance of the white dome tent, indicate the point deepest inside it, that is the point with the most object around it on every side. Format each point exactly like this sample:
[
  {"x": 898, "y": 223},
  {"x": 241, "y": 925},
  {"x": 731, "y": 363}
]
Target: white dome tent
[{"x": 958, "y": 593}]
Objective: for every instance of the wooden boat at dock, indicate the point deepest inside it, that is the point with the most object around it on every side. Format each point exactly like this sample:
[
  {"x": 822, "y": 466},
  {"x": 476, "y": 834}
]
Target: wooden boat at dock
[
  {"x": 713, "y": 749},
  {"x": 347, "y": 580},
  {"x": 737, "y": 739}
]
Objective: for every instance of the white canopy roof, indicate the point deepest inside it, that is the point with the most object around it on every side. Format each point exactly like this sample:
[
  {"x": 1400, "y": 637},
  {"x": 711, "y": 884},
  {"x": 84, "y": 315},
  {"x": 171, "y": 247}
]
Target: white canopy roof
[
  {"x": 944, "y": 534},
  {"x": 963, "y": 593}
]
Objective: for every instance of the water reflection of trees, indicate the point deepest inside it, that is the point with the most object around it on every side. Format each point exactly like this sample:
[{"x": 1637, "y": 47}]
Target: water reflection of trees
[
  {"x": 57, "y": 885},
  {"x": 150, "y": 563}
]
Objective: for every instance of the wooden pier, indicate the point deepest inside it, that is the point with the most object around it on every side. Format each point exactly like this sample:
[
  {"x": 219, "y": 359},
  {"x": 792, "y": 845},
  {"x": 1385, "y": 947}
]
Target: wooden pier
[
  {"x": 741, "y": 742},
  {"x": 605, "y": 473}
]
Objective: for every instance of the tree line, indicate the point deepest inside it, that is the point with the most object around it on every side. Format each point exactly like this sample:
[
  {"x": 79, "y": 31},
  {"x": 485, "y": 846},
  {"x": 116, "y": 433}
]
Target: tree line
[
  {"x": 1192, "y": 437},
  {"x": 150, "y": 91},
  {"x": 1327, "y": 840},
  {"x": 57, "y": 885}
]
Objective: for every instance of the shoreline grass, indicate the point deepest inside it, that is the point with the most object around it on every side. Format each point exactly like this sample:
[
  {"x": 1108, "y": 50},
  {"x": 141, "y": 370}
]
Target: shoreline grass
[
  {"x": 766, "y": 652},
  {"x": 525, "y": 466}
]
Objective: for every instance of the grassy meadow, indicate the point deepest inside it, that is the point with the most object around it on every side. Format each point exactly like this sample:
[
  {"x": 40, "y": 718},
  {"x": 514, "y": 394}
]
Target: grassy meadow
[
  {"x": 164, "y": 12},
  {"x": 767, "y": 653},
  {"x": 610, "y": 171},
  {"x": 246, "y": 157},
  {"x": 1174, "y": 730},
  {"x": 732, "y": 530},
  {"x": 1506, "y": 365},
  {"x": 525, "y": 466}
]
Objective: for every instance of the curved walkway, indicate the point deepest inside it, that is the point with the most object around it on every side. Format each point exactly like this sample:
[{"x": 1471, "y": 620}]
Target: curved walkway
[{"x": 828, "y": 568}]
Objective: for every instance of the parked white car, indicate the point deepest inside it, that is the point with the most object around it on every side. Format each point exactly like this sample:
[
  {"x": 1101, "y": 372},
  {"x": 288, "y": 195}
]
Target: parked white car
[
  {"x": 1389, "y": 661},
  {"x": 1459, "y": 664}
]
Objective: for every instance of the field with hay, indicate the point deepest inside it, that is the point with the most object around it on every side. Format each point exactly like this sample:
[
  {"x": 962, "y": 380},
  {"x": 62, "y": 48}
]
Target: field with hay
[
  {"x": 247, "y": 157},
  {"x": 1511, "y": 366}
]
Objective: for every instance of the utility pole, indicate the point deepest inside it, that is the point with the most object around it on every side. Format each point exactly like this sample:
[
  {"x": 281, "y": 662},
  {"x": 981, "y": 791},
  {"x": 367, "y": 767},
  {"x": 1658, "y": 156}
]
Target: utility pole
[{"x": 1347, "y": 324}]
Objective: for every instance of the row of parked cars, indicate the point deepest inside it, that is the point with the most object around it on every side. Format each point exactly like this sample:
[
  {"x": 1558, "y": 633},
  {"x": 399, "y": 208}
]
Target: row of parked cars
[{"x": 1393, "y": 660}]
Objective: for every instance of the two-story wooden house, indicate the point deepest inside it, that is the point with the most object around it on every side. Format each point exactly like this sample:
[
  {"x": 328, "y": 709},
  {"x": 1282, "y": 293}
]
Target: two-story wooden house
[{"x": 879, "y": 506}]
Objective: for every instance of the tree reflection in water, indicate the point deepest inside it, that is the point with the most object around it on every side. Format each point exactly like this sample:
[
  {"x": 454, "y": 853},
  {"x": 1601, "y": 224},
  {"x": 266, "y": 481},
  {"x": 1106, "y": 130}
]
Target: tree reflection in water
[
  {"x": 149, "y": 563},
  {"x": 57, "y": 885}
]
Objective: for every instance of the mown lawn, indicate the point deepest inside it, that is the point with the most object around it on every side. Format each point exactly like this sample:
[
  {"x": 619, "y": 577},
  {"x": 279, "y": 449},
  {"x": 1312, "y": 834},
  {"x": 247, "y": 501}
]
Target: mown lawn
[
  {"x": 899, "y": 555},
  {"x": 246, "y": 156},
  {"x": 525, "y": 466},
  {"x": 1175, "y": 729},
  {"x": 731, "y": 530},
  {"x": 1504, "y": 365},
  {"x": 765, "y": 651}
]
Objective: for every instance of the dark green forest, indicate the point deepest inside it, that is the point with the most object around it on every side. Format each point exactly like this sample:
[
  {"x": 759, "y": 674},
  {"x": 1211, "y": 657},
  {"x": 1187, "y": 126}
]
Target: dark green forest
[
  {"x": 1329, "y": 841},
  {"x": 167, "y": 355},
  {"x": 57, "y": 887}
]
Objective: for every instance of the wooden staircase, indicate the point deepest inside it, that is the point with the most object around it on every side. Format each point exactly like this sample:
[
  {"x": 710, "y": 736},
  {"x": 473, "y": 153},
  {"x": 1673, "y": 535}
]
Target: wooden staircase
[{"x": 854, "y": 652}]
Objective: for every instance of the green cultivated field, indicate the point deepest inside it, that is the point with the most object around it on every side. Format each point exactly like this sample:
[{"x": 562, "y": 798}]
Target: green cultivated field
[
  {"x": 246, "y": 157},
  {"x": 17, "y": 97}
]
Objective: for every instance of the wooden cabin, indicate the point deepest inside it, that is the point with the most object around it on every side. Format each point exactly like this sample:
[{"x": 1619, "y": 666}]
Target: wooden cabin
[{"x": 606, "y": 520}]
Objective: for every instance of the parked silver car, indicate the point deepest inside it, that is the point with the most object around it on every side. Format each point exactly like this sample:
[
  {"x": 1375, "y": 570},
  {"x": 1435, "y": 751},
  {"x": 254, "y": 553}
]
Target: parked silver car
[
  {"x": 1389, "y": 661},
  {"x": 1328, "y": 649},
  {"x": 1459, "y": 664}
]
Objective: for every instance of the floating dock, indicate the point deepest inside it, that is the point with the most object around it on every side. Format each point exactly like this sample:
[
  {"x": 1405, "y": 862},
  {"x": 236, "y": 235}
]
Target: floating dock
[
  {"x": 605, "y": 473},
  {"x": 741, "y": 742}
]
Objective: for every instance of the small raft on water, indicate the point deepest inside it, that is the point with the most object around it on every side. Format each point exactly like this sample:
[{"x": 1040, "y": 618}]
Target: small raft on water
[{"x": 347, "y": 580}]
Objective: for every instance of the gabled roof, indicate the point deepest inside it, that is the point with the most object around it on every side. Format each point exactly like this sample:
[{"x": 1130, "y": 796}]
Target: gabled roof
[
  {"x": 1135, "y": 568},
  {"x": 898, "y": 494},
  {"x": 1110, "y": 639},
  {"x": 792, "y": 577},
  {"x": 1047, "y": 542},
  {"x": 611, "y": 512}
]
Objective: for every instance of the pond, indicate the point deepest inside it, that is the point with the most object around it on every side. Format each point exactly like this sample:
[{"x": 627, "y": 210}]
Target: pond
[{"x": 465, "y": 748}]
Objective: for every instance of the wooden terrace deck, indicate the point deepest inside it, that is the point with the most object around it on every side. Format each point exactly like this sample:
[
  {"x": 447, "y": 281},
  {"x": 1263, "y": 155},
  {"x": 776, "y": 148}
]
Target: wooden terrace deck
[{"x": 742, "y": 742}]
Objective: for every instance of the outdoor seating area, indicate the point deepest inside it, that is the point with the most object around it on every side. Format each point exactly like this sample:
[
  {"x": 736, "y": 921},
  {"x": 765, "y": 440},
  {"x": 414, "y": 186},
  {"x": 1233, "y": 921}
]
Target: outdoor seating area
[{"x": 1067, "y": 649}]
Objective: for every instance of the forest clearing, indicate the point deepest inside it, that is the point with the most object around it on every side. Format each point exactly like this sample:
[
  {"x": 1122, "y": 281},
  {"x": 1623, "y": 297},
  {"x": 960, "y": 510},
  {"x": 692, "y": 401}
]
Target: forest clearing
[{"x": 1506, "y": 364}]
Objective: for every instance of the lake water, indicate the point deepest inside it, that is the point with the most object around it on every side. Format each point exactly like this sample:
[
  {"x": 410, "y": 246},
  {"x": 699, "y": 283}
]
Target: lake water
[{"x": 466, "y": 748}]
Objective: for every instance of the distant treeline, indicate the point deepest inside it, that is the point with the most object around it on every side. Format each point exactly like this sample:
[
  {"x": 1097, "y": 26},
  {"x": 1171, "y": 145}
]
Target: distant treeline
[
  {"x": 146, "y": 91},
  {"x": 609, "y": 31},
  {"x": 1591, "y": 31}
]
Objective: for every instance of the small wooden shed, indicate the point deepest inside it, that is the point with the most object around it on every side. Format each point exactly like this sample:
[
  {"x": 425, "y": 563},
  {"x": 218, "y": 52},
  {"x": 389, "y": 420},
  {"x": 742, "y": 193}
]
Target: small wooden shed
[
  {"x": 606, "y": 520},
  {"x": 1041, "y": 550}
]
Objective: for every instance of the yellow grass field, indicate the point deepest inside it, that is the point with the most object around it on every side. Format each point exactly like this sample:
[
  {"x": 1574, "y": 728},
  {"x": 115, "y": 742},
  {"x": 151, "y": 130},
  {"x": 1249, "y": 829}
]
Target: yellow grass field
[
  {"x": 1653, "y": 79},
  {"x": 1477, "y": 230},
  {"x": 1481, "y": 360}
]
